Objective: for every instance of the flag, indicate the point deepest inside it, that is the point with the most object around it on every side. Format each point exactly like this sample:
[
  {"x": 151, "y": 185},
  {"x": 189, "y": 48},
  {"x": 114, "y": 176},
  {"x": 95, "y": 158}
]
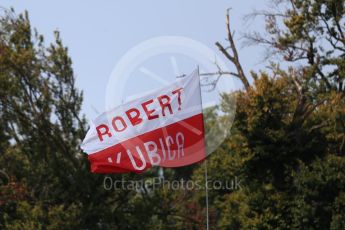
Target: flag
[{"x": 163, "y": 128}]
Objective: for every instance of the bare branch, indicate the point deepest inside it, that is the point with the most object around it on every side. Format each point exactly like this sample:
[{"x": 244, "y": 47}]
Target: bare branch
[
  {"x": 219, "y": 73},
  {"x": 234, "y": 58}
]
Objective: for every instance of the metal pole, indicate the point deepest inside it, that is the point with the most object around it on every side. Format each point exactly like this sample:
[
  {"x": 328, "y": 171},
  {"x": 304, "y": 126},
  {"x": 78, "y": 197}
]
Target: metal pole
[
  {"x": 207, "y": 213},
  {"x": 206, "y": 180},
  {"x": 206, "y": 174}
]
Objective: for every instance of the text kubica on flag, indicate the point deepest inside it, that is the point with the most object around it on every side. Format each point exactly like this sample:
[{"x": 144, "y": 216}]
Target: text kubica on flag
[{"x": 163, "y": 128}]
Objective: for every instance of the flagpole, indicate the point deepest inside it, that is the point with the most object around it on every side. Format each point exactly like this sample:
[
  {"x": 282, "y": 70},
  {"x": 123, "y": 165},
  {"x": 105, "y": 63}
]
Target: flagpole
[
  {"x": 206, "y": 179},
  {"x": 206, "y": 174},
  {"x": 207, "y": 213}
]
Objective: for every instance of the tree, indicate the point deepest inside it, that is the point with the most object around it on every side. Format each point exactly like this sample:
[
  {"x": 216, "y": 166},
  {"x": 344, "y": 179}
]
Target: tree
[
  {"x": 50, "y": 185},
  {"x": 286, "y": 148},
  {"x": 41, "y": 124},
  {"x": 287, "y": 142}
]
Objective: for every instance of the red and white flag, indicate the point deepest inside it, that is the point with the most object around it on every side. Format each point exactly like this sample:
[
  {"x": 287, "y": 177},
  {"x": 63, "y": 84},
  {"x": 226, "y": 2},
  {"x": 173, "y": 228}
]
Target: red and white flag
[{"x": 163, "y": 128}]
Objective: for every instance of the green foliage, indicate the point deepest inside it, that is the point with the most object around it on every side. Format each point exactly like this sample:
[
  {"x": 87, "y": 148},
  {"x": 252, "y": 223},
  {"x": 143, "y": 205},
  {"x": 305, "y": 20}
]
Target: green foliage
[
  {"x": 287, "y": 142},
  {"x": 42, "y": 217},
  {"x": 319, "y": 186},
  {"x": 49, "y": 181},
  {"x": 286, "y": 148}
]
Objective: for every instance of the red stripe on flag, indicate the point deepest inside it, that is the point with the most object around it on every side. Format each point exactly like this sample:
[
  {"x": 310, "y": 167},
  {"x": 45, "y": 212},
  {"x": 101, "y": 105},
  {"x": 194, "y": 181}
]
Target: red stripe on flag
[{"x": 179, "y": 144}]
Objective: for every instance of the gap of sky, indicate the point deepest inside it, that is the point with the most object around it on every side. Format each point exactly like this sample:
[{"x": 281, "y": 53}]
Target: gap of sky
[{"x": 99, "y": 33}]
